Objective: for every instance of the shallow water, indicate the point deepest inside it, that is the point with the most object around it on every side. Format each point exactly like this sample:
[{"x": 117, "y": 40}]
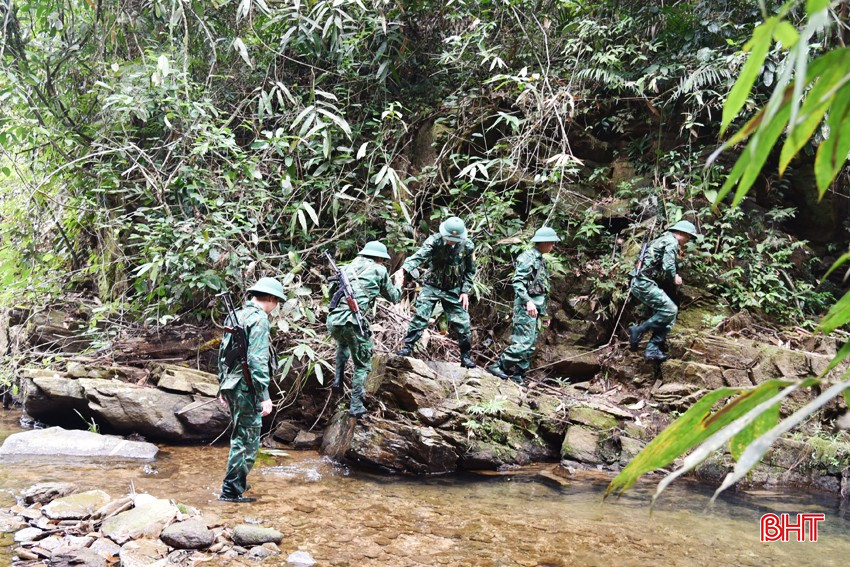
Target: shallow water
[{"x": 344, "y": 517}]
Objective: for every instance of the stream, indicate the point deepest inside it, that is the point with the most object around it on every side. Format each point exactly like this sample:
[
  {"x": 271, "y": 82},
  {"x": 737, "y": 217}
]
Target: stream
[{"x": 346, "y": 517}]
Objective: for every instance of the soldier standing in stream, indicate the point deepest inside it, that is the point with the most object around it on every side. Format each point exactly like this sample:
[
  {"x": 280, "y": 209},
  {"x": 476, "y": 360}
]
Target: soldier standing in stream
[
  {"x": 531, "y": 285},
  {"x": 368, "y": 278},
  {"x": 247, "y": 397},
  {"x": 449, "y": 279},
  {"x": 659, "y": 267}
]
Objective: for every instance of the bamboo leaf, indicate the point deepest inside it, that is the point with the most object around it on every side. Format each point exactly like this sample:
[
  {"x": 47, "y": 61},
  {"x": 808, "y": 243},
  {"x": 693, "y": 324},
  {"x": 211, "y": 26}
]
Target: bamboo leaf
[
  {"x": 753, "y": 454},
  {"x": 691, "y": 429},
  {"x": 817, "y": 102},
  {"x": 832, "y": 153},
  {"x": 742, "y": 420},
  {"x": 761, "y": 425},
  {"x": 787, "y": 34},
  {"x": 311, "y": 211},
  {"x": 242, "y": 50},
  {"x": 759, "y": 46},
  {"x": 837, "y": 316},
  {"x": 844, "y": 257}
]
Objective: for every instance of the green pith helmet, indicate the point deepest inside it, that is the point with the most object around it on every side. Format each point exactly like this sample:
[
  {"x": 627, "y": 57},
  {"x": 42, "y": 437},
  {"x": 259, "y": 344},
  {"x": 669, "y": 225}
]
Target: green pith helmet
[
  {"x": 685, "y": 226},
  {"x": 545, "y": 234},
  {"x": 269, "y": 286},
  {"x": 374, "y": 249},
  {"x": 453, "y": 229}
]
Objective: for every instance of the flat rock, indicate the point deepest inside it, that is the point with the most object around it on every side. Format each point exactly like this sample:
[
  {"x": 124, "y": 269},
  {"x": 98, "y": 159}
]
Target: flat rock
[
  {"x": 76, "y": 557},
  {"x": 105, "y": 547},
  {"x": 142, "y": 553},
  {"x": 147, "y": 519},
  {"x": 45, "y": 492},
  {"x": 247, "y": 535},
  {"x": 300, "y": 559},
  {"x": 11, "y": 523},
  {"x": 76, "y": 506},
  {"x": 77, "y": 443},
  {"x": 190, "y": 534},
  {"x": 27, "y": 534},
  {"x": 593, "y": 418}
]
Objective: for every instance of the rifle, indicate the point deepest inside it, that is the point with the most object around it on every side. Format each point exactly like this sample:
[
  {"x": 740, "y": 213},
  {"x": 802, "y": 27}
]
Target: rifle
[
  {"x": 239, "y": 351},
  {"x": 639, "y": 265},
  {"x": 345, "y": 290}
]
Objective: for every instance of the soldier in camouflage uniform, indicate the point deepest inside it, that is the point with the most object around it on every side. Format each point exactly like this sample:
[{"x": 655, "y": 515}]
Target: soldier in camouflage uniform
[
  {"x": 659, "y": 267},
  {"x": 531, "y": 285},
  {"x": 447, "y": 281},
  {"x": 247, "y": 412},
  {"x": 368, "y": 278}
]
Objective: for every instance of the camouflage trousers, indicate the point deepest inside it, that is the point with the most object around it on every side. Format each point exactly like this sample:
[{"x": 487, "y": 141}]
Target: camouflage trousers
[
  {"x": 428, "y": 298},
  {"x": 517, "y": 358},
  {"x": 244, "y": 441},
  {"x": 664, "y": 310},
  {"x": 352, "y": 344}
]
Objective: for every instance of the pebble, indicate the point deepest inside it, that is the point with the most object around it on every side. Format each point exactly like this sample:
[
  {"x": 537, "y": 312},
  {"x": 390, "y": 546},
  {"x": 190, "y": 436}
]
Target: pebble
[
  {"x": 259, "y": 552},
  {"x": 31, "y": 514},
  {"x": 25, "y": 554},
  {"x": 300, "y": 559}
]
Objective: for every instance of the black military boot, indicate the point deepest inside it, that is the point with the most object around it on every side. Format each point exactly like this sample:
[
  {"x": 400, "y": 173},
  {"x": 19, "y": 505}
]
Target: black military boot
[
  {"x": 654, "y": 352},
  {"x": 465, "y": 348},
  {"x": 499, "y": 372},
  {"x": 636, "y": 334},
  {"x": 406, "y": 350}
]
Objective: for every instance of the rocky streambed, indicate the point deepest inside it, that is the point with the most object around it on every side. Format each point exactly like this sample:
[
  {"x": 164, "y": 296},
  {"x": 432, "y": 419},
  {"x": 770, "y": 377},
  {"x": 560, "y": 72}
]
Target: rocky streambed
[{"x": 59, "y": 524}]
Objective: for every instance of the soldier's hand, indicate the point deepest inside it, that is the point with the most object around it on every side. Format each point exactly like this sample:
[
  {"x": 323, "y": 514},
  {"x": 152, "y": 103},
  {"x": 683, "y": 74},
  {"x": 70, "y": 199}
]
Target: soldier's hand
[
  {"x": 222, "y": 401},
  {"x": 531, "y": 308},
  {"x": 265, "y": 407},
  {"x": 464, "y": 301},
  {"x": 677, "y": 280},
  {"x": 399, "y": 278}
]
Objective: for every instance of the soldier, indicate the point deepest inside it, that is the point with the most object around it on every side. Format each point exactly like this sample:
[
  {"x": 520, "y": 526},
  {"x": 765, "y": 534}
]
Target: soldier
[
  {"x": 659, "y": 267},
  {"x": 368, "y": 278},
  {"x": 247, "y": 412},
  {"x": 531, "y": 285},
  {"x": 448, "y": 281}
]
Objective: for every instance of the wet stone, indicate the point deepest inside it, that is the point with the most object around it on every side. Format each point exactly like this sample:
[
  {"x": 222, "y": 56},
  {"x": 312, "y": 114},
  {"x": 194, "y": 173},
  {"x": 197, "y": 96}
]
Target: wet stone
[
  {"x": 247, "y": 535},
  {"x": 142, "y": 552},
  {"x": 307, "y": 440},
  {"x": 45, "y": 492},
  {"x": 76, "y": 557},
  {"x": 190, "y": 534},
  {"x": 76, "y": 506},
  {"x": 300, "y": 559},
  {"x": 147, "y": 519}
]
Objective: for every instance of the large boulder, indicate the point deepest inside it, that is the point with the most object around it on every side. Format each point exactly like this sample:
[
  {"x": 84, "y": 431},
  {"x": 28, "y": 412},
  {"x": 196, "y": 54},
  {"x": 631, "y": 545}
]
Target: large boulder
[
  {"x": 127, "y": 408},
  {"x": 75, "y": 443},
  {"x": 440, "y": 418}
]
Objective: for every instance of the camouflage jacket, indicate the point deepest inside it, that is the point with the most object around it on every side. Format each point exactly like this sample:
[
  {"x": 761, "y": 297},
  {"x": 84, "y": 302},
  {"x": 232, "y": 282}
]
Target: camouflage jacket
[
  {"x": 660, "y": 261},
  {"x": 260, "y": 357},
  {"x": 368, "y": 280},
  {"x": 450, "y": 267},
  {"x": 531, "y": 278}
]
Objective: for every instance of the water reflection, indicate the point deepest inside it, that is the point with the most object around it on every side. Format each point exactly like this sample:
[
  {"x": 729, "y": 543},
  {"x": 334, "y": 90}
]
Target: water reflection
[{"x": 345, "y": 517}]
